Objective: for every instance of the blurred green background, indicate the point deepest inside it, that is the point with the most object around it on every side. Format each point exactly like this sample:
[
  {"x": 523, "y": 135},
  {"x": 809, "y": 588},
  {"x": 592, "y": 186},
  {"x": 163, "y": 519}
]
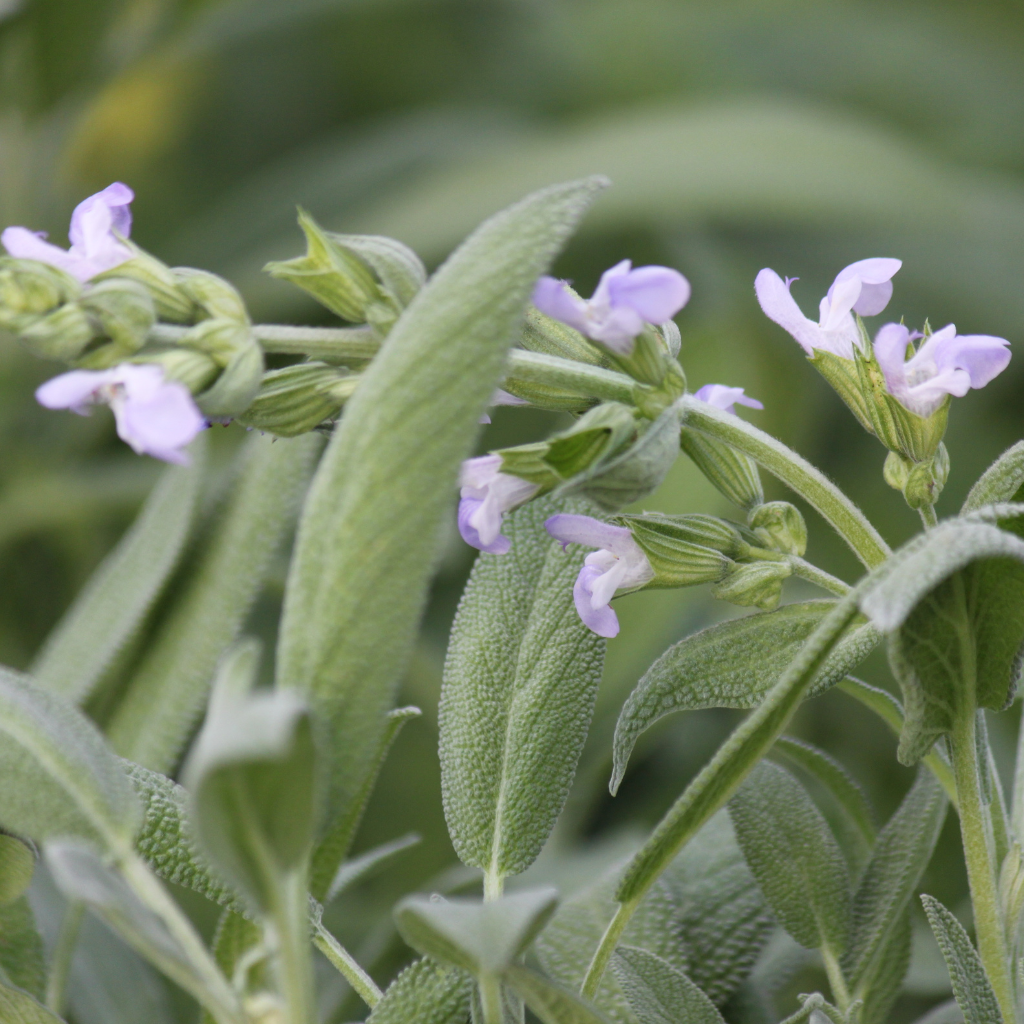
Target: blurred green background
[{"x": 796, "y": 134}]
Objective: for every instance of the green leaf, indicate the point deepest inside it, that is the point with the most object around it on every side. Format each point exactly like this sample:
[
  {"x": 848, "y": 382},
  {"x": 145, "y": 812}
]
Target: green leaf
[
  {"x": 549, "y": 1001},
  {"x": 658, "y": 993},
  {"x": 724, "y": 774},
  {"x": 60, "y": 777},
  {"x": 252, "y": 776},
  {"x": 951, "y": 601},
  {"x": 18, "y": 1007},
  {"x": 481, "y": 938},
  {"x": 367, "y": 864},
  {"x": 1003, "y": 481},
  {"x": 169, "y": 689},
  {"x": 520, "y": 682},
  {"x": 794, "y": 857},
  {"x": 234, "y": 937},
  {"x": 17, "y": 861},
  {"x": 971, "y": 986},
  {"x": 111, "y": 607},
  {"x": 901, "y": 854},
  {"x": 22, "y": 960},
  {"x": 367, "y": 543},
  {"x": 891, "y": 964},
  {"x": 732, "y": 664},
  {"x": 427, "y": 994}
]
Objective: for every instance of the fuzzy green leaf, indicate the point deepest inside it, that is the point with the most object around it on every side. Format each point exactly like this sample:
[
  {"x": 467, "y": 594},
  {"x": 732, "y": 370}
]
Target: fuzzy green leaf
[
  {"x": 519, "y": 687},
  {"x": 794, "y": 857},
  {"x": 549, "y": 1001},
  {"x": 367, "y": 543},
  {"x": 369, "y": 863},
  {"x": 111, "y": 607},
  {"x": 18, "y": 1007},
  {"x": 427, "y": 994},
  {"x": 1003, "y": 481},
  {"x": 971, "y": 986},
  {"x": 658, "y": 993},
  {"x": 733, "y": 664},
  {"x": 22, "y": 960}
]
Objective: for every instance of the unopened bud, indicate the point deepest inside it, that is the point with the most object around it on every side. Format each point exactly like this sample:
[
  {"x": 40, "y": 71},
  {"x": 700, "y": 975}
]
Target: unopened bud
[
  {"x": 230, "y": 345},
  {"x": 29, "y": 289},
  {"x": 754, "y": 584},
  {"x": 542, "y": 333},
  {"x": 160, "y": 281},
  {"x": 400, "y": 272},
  {"x": 332, "y": 273},
  {"x": 196, "y": 370},
  {"x": 696, "y": 528},
  {"x": 17, "y": 864},
  {"x": 779, "y": 525},
  {"x": 214, "y": 296},
  {"x": 733, "y": 473},
  {"x": 685, "y": 550},
  {"x": 63, "y": 334},
  {"x": 299, "y": 398},
  {"x": 124, "y": 310},
  {"x": 649, "y": 361},
  {"x": 544, "y": 396},
  {"x": 926, "y": 479}
]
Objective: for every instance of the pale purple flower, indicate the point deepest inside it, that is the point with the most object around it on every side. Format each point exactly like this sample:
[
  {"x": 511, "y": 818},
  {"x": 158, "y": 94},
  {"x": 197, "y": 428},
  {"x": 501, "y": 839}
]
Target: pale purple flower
[
  {"x": 620, "y": 564},
  {"x": 487, "y": 494},
  {"x": 946, "y": 364},
  {"x": 502, "y": 398},
  {"x": 864, "y": 287},
  {"x": 726, "y": 398},
  {"x": 95, "y": 226},
  {"x": 625, "y": 300},
  {"x": 155, "y": 416}
]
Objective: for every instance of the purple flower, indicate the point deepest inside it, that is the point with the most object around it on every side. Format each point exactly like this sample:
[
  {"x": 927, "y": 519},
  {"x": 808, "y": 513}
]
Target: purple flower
[
  {"x": 155, "y": 416},
  {"x": 723, "y": 397},
  {"x": 94, "y": 245},
  {"x": 946, "y": 364},
  {"x": 864, "y": 287},
  {"x": 487, "y": 494},
  {"x": 502, "y": 398},
  {"x": 624, "y": 301},
  {"x": 620, "y": 564}
]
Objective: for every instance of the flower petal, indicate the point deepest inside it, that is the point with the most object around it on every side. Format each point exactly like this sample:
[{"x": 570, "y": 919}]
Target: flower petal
[
  {"x": 617, "y": 329},
  {"x": 467, "y": 506},
  {"x": 603, "y": 588},
  {"x": 74, "y": 390},
  {"x": 160, "y": 424},
  {"x": 778, "y": 305},
  {"x": 553, "y": 298},
  {"x": 94, "y": 218},
  {"x": 983, "y": 356},
  {"x": 480, "y": 472},
  {"x": 890, "y": 346},
  {"x": 602, "y": 621},
  {"x": 602, "y": 296},
  {"x": 656, "y": 293},
  {"x": 27, "y": 245},
  {"x": 723, "y": 397},
  {"x": 841, "y": 298},
  {"x": 574, "y": 529}
]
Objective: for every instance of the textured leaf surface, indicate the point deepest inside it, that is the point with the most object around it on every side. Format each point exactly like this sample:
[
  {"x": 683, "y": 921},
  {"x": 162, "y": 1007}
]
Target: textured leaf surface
[
  {"x": 60, "y": 777},
  {"x": 732, "y": 665},
  {"x": 971, "y": 986},
  {"x": 427, "y": 994},
  {"x": 112, "y": 605},
  {"x": 168, "y": 692},
  {"x": 17, "y": 1007},
  {"x": 519, "y": 687},
  {"x": 1002, "y": 481},
  {"x": 794, "y": 857},
  {"x": 890, "y": 969},
  {"x": 549, "y": 1001},
  {"x": 658, "y": 993},
  {"x": 901, "y": 854},
  {"x": 21, "y": 948},
  {"x": 368, "y": 539}
]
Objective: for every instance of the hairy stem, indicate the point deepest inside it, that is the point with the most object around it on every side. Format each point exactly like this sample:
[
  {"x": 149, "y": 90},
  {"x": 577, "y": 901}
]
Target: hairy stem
[
  {"x": 605, "y": 948},
  {"x": 928, "y": 516},
  {"x": 63, "y": 953},
  {"x": 490, "y": 998},
  {"x": 840, "y": 991},
  {"x": 291, "y": 923},
  {"x": 346, "y": 965},
  {"x": 823, "y": 579}
]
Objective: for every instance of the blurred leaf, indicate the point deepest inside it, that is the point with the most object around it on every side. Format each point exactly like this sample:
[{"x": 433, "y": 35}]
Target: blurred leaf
[
  {"x": 60, "y": 776},
  {"x": 369, "y": 863},
  {"x": 234, "y": 937},
  {"x": 426, "y": 993},
  {"x": 658, "y": 993},
  {"x": 481, "y": 938},
  {"x": 353, "y": 602},
  {"x": 22, "y": 960},
  {"x": 113, "y": 604},
  {"x": 732, "y": 664},
  {"x": 794, "y": 857},
  {"x": 549, "y": 1001},
  {"x": 170, "y": 686},
  {"x": 17, "y": 861},
  {"x": 17, "y": 1007},
  {"x": 520, "y": 682},
  {"x": 1001, "y": 482},
  {"x": 892, "y": 962},
  {"x": 971, "y": 986},
  {"x": 944, "y": 1013}
]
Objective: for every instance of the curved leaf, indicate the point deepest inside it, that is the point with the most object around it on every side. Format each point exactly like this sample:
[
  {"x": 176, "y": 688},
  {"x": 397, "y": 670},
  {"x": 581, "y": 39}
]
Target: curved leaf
[
  {"x": 426, "y": 993},
  {"x": 658, "y": 993}
]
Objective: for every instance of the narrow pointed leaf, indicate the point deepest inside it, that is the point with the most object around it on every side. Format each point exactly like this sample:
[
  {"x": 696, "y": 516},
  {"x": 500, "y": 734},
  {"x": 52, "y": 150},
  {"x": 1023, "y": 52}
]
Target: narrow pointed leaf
[
  {"x": 369, "y": 863},
  {"x": 425, "y": 993},
  {"x": 658, "y": 993},
  {"x": 368, "y": 540}
]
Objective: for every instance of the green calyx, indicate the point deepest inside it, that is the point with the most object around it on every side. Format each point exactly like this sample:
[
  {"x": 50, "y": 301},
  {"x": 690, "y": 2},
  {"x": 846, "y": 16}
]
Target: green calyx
[
  {"x": 755, "y": 584},
  {"x": 920, "y": 482},
  {"x": 299, "y": 398},
  {"x": 779, "y": 525},
  {"x": 734, "y": 474}
]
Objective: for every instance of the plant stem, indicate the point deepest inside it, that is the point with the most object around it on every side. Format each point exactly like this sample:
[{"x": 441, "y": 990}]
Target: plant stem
[
  {"x": 291, "y": 922},
  {"x": 610, "y": 939},
  {"x": 494, "y": 886},
  {"x": 63, "y": 953},
  {"x": 811, "y": 484},
  {"x": 840, "y": 992},
  {"x": 928, "y": 516},
  {"x": 976, "y": 832},
  {"x": 490, "y": 998},
  {"x": 818, "y": 576},
  {"x": 347, "y": 967}
]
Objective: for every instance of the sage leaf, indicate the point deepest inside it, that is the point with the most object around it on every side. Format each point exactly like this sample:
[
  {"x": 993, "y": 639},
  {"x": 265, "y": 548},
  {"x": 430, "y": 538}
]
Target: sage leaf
[
  {"x": 971, "y": 986},
  {"x": 881, "y": 988},
  {"x": 18, "y": 1007},
  {"x": 112, "y": 605},
  {"x": 60, "y": 777},
  {"x": 368, "y": 539},
  {"x": 1003, "y": 481},
  {"x": 22, "y": 960},
  {"x": 426, "y": 993},
  {"x": 794, "y": 857},
  {"x": 519, "y": 687},
  {"x": 252, "y": 775},
  {"x": 169, "y": 689},
  {"x": 17, "y": 861},
  {"x": 732, "y": 664},
  {"x": 481, "y": 938},
  {"x": 549, "y": 1001},
  {"x": 901, "y": 854},
  {"x": 658, "y": 993},
  {"x": 367, "y": 864}
]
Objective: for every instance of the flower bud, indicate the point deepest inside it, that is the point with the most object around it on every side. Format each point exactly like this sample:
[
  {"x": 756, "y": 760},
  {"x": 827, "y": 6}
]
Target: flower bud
[
  {"x": 649, "y": 361},
  {"x": 733, "y": 473},
  {"x": 779, "y": 525},
  {"x": 124, "y": 310},
  {"x": 754, "y": 584},
  {"x": 333, "y": 273},
  {"x": 196, "y": 370},
  {"x": 299, "y": 398},
  {"x": 677, "y": 560},
  {"x": 171, "y": 302},
  {"x": 545, "y": 397},
  {"x": 230, "y": 345},
  {"x": 542, "y": 333},
  {"x": 213, "y": 296},
  {"x": 17, "y": 865},
  {"x": 62, "y": 335},
  {"x": 29, "y": 289},
  {"x": 708, "y": 531},
  {"x": 925, "y": 480},
  {"x": 400, "y": 272}
]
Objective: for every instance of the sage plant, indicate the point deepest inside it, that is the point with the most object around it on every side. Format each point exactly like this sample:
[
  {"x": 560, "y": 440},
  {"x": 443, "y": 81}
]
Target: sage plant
[{"x": 365, "y": 431}]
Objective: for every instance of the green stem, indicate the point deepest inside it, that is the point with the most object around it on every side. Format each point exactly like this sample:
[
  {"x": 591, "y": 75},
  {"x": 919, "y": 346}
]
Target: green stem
[
  {"x": 976, "y": 832},
  {"x": 333, "y": 344},
  {"x": 291, "y": 922},
  {"x": 494, "y": 886},
  {"x": 840, "y": 991},
  {"x": 63, "y": 953},
  {"x": 928, "y": 516},
  {"x": 818, "y": 576},
  {"x": 347, "y": 966},
  {"x": 490, "y": 998},
  {"x": 796, "y": 472},
  {"x": 605, "y": 948}
]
